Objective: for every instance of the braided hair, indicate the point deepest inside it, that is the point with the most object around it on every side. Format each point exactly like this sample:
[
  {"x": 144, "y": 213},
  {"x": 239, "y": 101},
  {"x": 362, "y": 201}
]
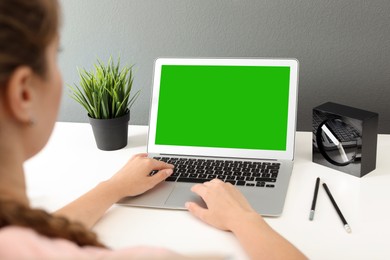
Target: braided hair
[{"x": 16, "y": 214}]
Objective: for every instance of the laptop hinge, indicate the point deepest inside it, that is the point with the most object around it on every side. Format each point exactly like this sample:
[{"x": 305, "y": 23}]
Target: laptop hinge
[{"x": 213, "y": 157}]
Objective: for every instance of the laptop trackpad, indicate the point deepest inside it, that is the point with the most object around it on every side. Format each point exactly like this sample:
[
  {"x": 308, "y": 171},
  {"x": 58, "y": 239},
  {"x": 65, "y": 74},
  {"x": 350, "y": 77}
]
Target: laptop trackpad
[
  {"x": 152, "y": 198},
  {"x": 181, "y": 194}
]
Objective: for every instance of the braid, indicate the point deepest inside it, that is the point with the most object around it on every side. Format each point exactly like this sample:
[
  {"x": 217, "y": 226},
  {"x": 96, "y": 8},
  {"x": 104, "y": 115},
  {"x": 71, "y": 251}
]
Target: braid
[{"x": 12, "y": 213}]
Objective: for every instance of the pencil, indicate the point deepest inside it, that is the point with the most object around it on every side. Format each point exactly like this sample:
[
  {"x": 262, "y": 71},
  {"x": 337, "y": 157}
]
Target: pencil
[
  {"x": 346, "y": 226},
  {"x": 313, "y": 203}
]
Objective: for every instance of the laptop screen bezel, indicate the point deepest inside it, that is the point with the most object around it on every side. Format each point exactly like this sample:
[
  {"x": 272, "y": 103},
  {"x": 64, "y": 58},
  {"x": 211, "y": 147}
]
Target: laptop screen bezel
[{"x": 288, "y": 154}]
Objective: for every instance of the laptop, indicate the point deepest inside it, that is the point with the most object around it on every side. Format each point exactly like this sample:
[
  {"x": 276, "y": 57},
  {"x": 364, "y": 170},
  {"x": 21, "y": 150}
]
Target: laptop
[{"x": 227, "y": 118}]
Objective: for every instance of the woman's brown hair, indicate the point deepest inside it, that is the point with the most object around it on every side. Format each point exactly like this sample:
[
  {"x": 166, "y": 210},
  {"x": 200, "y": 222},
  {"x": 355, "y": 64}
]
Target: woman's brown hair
[
  {"x": 27, "y": 27},
  {"x": 15, "y": 214}
]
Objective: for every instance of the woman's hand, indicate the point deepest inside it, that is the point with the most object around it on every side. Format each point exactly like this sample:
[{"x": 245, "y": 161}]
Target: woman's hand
[
  {"x": 226, "y": 206},
  {"x": 134, "y": 179}
]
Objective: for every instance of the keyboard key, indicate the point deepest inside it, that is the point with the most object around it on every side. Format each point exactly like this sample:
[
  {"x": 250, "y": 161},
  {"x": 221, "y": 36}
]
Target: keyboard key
[
  {"x": 247, "y": 174},
  {"x": 240, "y": 183},
  {"x": 193, "y": 180},
  {"x": 171, "y": 178},
  {"x": 231, "y": 181},
  {"x": 265, "y": 179},
  {"x": 240, "y": 178},
  {"x": 260, "y": 184}
]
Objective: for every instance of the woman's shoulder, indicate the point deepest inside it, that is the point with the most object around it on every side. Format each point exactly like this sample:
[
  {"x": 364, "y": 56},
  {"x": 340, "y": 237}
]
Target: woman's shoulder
[
  {"x": 11, "y": 234},
  {"x": 24, "y": 243}
]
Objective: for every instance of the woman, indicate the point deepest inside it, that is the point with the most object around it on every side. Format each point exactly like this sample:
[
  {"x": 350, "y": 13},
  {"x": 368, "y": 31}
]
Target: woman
[{"x": 30, "y": 90}]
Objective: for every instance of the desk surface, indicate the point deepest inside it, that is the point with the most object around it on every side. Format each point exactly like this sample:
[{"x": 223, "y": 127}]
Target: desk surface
[{"x": 71, "y": 164}]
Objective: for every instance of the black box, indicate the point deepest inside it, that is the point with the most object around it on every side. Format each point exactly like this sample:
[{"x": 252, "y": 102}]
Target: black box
[{"x": 345, "y": 138}]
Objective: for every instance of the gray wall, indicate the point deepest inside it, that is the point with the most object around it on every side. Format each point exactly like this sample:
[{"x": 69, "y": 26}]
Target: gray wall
[{"x": 343, "y": 45}]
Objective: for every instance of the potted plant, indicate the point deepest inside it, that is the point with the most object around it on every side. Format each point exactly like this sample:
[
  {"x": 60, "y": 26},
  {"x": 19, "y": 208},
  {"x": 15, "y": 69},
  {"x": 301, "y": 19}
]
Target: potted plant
[{"x": 105, "y": 93}]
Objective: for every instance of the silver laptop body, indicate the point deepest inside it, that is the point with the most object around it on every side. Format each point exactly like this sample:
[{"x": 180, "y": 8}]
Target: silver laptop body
[{"x": 191, "y": 97}]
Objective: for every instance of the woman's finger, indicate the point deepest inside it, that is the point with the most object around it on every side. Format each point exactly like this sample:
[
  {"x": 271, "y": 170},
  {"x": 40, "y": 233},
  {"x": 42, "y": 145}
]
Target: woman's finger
[
  {"x": 200, "y": 189},
  {"x": 216, "y": 180},
  {"x": 159, "y": 165},
  {"x": 161, "y": 175},
  {"x": 140, "y": 155},
  {"x": 197, "y": 210}
]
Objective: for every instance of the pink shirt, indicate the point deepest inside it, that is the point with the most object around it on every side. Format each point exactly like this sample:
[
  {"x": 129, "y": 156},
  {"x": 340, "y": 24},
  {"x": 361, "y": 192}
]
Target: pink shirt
[{"x": 23, "y": 243}]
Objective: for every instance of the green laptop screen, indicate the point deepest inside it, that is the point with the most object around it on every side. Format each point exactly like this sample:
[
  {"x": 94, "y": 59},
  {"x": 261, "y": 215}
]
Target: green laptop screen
[{"x": 242, "y": 107}]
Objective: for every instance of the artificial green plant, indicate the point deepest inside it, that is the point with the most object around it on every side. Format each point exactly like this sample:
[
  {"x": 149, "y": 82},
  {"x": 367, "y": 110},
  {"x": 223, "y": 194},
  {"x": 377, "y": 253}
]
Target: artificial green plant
[{"x": 105, "y": 91}]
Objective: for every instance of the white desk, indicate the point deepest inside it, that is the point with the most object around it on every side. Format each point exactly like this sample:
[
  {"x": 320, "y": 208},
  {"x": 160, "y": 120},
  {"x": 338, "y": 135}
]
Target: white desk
[{"x": 71, "y": 164}]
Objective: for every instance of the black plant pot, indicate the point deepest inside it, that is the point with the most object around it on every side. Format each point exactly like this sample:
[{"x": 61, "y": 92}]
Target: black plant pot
[{"x": 110, "y": 134}]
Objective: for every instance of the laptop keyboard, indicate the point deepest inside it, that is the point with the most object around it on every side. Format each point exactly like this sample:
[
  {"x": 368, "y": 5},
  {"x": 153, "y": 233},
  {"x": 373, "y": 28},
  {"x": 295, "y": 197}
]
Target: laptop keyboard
[{"x": 241, "y": 173}]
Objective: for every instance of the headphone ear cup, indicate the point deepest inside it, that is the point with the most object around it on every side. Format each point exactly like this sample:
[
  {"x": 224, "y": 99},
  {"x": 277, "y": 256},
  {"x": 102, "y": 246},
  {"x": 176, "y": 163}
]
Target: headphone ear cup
[{"x": 321, "y": 148}]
